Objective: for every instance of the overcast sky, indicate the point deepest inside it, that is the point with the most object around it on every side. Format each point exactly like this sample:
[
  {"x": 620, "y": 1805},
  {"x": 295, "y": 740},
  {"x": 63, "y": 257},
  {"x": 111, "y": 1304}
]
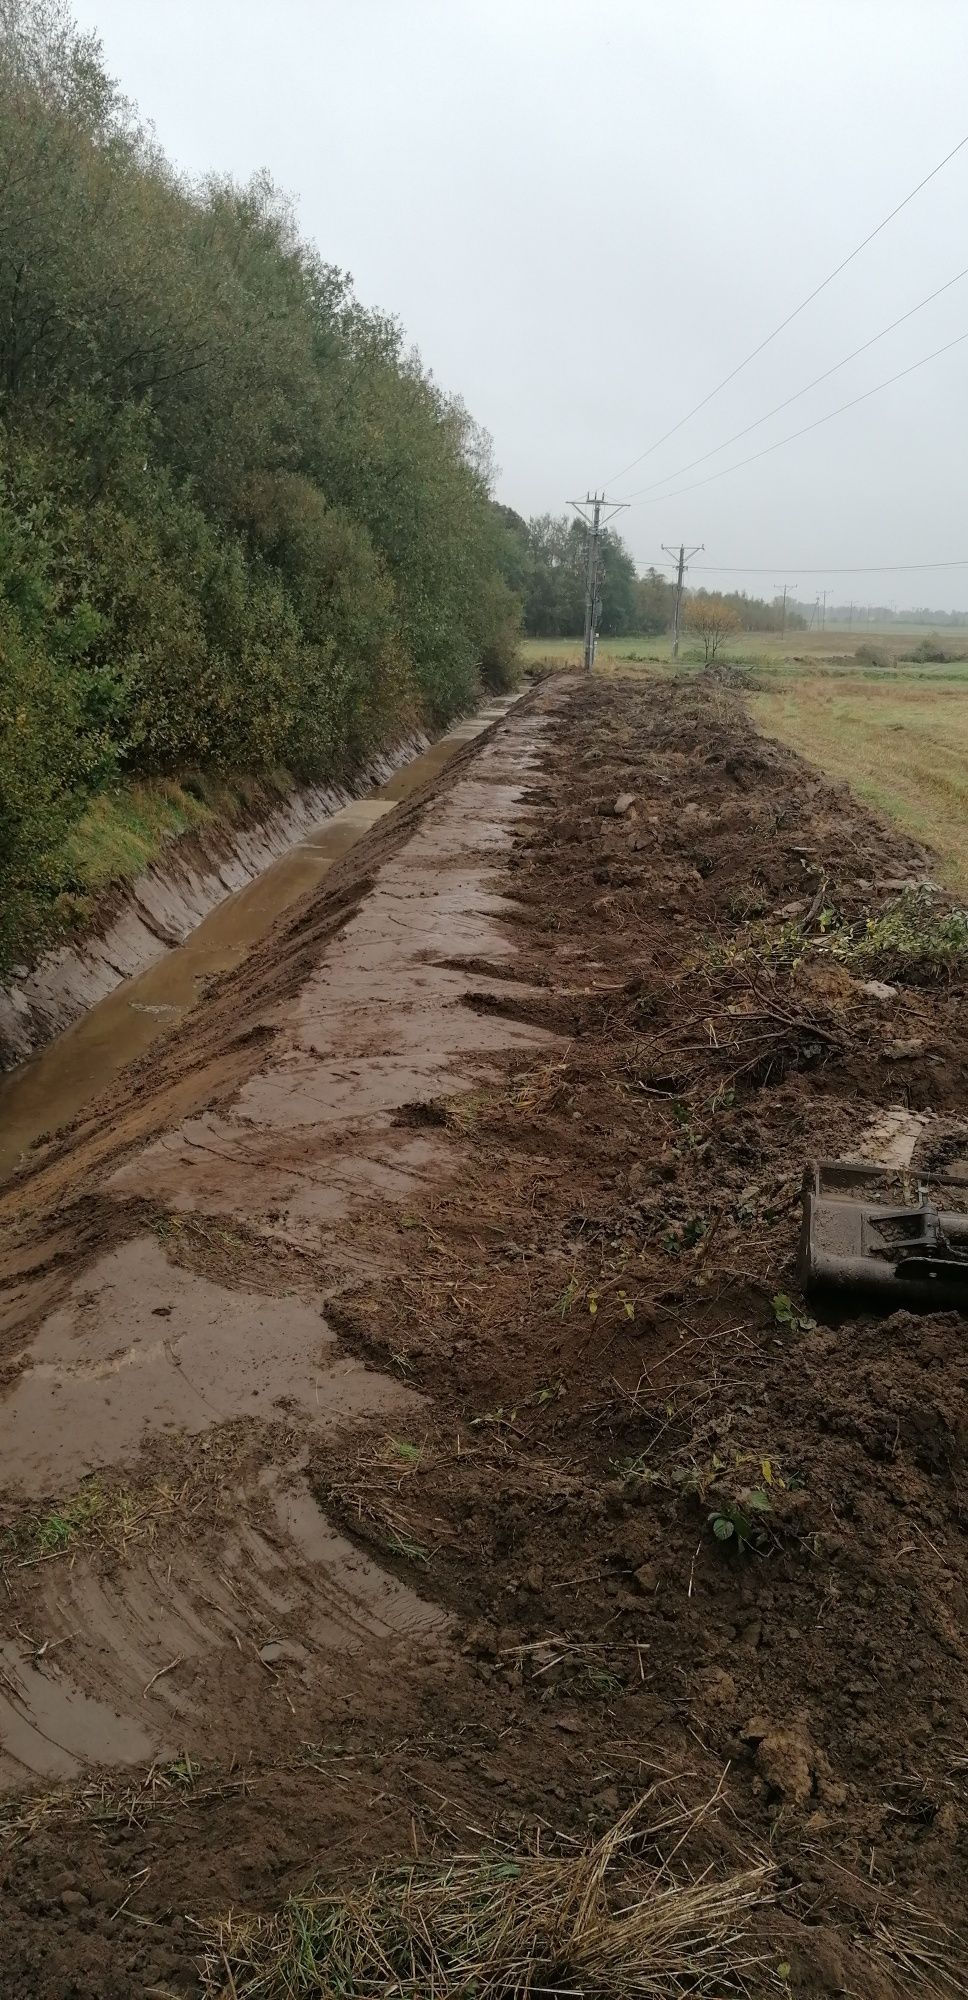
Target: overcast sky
[{"x": 586, "y": 214}]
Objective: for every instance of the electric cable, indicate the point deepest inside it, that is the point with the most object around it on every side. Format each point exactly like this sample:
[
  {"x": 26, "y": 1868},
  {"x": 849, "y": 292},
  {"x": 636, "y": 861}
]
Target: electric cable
[{"x": 804, "y": 303}]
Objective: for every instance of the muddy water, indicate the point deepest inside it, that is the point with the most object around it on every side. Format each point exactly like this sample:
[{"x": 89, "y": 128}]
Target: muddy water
[{"x": 50, "y": 1090}]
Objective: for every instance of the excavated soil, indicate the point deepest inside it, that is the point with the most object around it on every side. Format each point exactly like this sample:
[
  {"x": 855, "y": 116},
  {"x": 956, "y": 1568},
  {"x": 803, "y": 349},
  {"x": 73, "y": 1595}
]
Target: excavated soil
[{"x": 384, "y": 1356}]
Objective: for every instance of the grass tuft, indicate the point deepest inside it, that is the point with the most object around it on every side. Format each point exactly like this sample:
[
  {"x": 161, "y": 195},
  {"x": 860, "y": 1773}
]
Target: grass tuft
[
  {"x": 592, "y": 1924},
  {"x": 82, "y": 1517}
]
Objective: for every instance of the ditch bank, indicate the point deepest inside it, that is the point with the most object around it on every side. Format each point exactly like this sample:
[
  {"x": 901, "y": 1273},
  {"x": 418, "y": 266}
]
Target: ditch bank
[{"x": 137, "y": 922}]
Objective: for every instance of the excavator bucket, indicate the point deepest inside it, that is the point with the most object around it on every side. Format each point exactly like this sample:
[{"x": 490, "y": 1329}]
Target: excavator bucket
[{"x": 876, "y": 1232}]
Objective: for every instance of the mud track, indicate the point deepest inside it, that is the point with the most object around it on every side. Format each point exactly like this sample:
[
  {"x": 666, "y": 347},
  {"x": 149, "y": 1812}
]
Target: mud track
[{"x": 377, "y": 1353}]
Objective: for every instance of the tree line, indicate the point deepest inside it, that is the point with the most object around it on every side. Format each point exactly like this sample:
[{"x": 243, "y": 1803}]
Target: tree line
[
  {"x": 241, "y": 526},
  {"x": 544, "y": 564}
]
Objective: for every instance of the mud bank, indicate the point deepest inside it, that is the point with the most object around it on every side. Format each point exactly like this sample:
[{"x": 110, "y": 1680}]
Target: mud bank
[
  {"x": 173, "y": 1351},
  {"x": 136, "y": 924}
]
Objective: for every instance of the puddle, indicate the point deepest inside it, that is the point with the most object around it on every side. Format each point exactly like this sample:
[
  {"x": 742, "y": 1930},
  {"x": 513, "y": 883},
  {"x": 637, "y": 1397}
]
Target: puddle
[
  {"x": 287, "y": 1582},
  {"x": 53, "y": 1087},
  {"x": 50, "y": 1729},
  {"x": 141, "y": 1347}
]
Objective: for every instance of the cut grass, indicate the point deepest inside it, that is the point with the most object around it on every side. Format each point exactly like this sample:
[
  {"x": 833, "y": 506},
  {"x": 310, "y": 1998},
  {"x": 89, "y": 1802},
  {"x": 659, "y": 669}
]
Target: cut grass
[
  {"x": 910, "y": 939},
  {"x": 594, "y": 1924},
  {"x": 898, "y": 735},
  {"x": 114, "y": 1517},
  {"x": 901, "y": 743}
]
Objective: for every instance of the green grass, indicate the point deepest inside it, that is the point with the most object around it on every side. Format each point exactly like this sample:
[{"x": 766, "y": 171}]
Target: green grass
[
  {"x": 121, "y": 833},
  {"x": 83, "y": 1517},
  {"x": 825, "y": 652},
  {"x": 94, "y": 1515}
]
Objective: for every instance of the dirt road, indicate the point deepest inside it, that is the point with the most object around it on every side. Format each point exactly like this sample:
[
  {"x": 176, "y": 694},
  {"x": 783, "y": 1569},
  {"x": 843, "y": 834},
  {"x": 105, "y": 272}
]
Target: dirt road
[{"x": 382, "y": 1351}]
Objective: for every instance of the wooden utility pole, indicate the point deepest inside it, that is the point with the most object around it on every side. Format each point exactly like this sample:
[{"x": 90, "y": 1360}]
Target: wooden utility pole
[
  {"x": 685, "y": 556},
  {"x": 593, "y": 600},
  {"x": 785, "y": 588}
]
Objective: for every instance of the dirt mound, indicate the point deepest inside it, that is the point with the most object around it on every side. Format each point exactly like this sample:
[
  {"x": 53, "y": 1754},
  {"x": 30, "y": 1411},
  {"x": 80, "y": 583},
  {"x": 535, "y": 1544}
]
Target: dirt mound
[{"x": 684, "y": 1533}]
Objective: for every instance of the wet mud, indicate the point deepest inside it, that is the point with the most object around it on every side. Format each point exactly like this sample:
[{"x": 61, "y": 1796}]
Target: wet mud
[
  {"x": 136, "y": 925},
  {"x": 410, "y": 1315},
  {"x": 147, "y": 1350},
  {"x": 180, "y": 930}
]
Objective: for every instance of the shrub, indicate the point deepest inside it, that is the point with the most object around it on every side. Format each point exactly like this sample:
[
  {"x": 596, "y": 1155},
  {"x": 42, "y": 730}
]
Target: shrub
[
  {"x": 47, "y": 766},
  {"x": 929, "y": 650}
]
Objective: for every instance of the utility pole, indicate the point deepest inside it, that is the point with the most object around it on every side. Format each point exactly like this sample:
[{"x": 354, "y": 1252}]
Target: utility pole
[
  {"x": 850, "y": 617},
  {"x": 685, "y": 556},
  {"x": 823, "y": 615},
  {"x": 593, "y": 601},
  {"x": 785, "y": 587}
]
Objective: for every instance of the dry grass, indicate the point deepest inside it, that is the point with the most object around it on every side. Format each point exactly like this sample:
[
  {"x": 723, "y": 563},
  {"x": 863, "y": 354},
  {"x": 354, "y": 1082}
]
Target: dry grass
[
  {"x": 598, "y": 1923},
  {"x": 99, "y": 1803},
  {"x": 902, "y": 745},
  {"x": 110, "y": 1517},
  {"x": 912, "y": 1955}
]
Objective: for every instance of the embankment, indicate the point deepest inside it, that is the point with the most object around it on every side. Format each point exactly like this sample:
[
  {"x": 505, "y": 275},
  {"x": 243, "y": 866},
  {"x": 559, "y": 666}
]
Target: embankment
[{"x": 135, "y": 922}]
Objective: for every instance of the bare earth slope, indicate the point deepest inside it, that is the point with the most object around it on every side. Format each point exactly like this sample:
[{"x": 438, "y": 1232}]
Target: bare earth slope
[{"x": 380, "y": 1355}]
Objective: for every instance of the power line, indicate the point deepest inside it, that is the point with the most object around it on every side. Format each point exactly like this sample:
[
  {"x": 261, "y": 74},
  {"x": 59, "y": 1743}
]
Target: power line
[
  {"x": 838, "y": 412},
  {"x": 826, "y": 569},
  {"x": 777, "y": 407},
  {"x": 790, "y": 316}
]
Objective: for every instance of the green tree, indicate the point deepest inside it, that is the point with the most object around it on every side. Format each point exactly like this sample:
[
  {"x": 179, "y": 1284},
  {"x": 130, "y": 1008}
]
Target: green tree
[
  {"x": 242, "y": 527},
  {"x": 655, "y": 600}
]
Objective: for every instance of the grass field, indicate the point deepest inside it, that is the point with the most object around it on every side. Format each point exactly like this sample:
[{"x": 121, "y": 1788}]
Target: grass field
[
  {"x": 832, "y": 650},
  {"x": 902, "y": 746},
  {"x": 897, "y": 735}
]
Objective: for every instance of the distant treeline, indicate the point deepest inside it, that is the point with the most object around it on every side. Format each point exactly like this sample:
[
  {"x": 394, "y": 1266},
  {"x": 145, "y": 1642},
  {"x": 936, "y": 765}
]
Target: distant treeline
[
  {"x": 858, "y": 616},
  {"x": 545, "y": 564},
  {"x": 240, "y": 526}
]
